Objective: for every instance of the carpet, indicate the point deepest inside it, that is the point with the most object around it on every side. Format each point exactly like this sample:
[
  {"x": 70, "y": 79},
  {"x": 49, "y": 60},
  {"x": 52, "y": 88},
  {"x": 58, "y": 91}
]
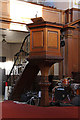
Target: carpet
[{"x": 15, "y": 111}]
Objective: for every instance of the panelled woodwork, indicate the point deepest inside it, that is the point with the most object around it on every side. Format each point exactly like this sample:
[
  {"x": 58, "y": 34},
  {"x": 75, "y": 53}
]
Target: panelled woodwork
[
  {"x": 76, "y": 49},
  {"x": 37, "y": 39},
  {"x": 52, "y": 39},
  {"x": 37, "y": 42},
  {"x": 68, "y": 16},
  {"x": 67, "y": 58},
  {"x": 5, "y": 13},
  {"x": 49, "y": 13},
  {"x": 5, "y": 25},
  {"x": 44, "y": 39},
  {"x": 72, "y": 52},
  {"x": 76, "y": 14},
  {"x": 5, "y": 5},
  {"x": 71, "y": 15}
]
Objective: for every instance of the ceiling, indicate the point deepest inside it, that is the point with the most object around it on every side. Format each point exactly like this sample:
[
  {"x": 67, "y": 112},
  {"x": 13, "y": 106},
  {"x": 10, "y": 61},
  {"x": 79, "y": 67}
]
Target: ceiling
[{"x": 12, "y": 36}]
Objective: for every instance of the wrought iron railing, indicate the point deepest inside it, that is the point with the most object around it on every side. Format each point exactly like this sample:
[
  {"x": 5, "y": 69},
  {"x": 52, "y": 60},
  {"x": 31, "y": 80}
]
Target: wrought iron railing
[{"x": 13, "y": 76}]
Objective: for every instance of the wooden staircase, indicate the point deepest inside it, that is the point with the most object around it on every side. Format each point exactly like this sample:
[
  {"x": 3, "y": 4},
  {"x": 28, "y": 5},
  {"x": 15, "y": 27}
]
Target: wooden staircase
[{"x": 25, "y": 81}]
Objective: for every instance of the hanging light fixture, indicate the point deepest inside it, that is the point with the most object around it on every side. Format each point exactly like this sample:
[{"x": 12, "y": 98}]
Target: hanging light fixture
[{"x": 3, "y": 36}]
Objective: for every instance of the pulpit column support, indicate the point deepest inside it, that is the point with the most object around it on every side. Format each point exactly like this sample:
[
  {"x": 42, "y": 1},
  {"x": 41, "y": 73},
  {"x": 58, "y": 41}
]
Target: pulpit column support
[{"x": 44, "y": 84}]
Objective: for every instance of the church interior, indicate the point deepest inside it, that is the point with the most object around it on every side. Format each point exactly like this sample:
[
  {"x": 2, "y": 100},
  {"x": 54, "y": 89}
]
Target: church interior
[{"x": 39, "y": 59}]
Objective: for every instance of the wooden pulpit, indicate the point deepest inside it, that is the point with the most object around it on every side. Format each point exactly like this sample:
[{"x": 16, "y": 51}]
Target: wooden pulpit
[{"x": 44, "y": 50}]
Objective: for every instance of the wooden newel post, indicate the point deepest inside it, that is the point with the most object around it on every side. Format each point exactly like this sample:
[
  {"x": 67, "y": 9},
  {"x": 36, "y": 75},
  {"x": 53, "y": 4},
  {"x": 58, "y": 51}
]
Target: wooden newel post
[{"x": 44, "y": 51}]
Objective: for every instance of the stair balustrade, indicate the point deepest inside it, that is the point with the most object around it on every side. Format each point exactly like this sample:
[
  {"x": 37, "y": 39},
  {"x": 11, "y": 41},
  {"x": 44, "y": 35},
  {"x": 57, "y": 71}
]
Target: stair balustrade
[{"x": 20, "y": 61}]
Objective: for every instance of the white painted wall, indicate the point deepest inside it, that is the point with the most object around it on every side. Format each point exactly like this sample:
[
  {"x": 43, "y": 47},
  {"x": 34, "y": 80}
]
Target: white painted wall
[
  {"x": 13, "y": 36},
  {"x": 56, "y": 69}
]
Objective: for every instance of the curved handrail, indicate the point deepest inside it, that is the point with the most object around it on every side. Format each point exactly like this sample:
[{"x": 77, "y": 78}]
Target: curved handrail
[{"x": 18, "y": 56}]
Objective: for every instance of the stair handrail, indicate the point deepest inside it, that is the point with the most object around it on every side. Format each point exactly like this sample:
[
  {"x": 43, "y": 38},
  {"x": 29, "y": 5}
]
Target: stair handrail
[{"x": 18, "y": 56}]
